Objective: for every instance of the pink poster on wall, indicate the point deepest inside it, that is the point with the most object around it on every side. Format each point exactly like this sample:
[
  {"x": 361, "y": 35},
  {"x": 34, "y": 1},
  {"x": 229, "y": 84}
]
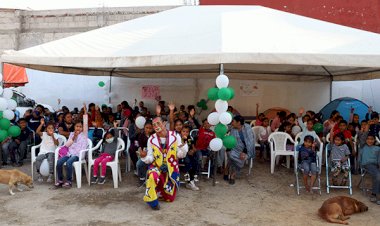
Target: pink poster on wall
[{"x": 150, "y": 92}]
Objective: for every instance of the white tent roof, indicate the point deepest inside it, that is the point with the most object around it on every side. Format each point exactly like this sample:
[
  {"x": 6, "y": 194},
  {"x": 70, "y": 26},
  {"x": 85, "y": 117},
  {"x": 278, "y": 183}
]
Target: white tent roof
[{"x": 252, "y": 42}]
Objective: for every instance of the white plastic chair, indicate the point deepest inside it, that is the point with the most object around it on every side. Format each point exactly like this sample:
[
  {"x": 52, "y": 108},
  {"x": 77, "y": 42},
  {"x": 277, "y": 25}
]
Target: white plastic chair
[
  {"x": 115, "y": 164},
  {"x": 277, "y": 141},
  {"x": 78, "y": 164},
  {"x": 128, "y": 157},
  {"x": 256, "y": 131},
  {"x": 61, "y": 141}
]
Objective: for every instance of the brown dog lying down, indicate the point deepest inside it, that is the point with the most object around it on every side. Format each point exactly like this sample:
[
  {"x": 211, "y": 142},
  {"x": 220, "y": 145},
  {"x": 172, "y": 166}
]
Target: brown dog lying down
[
  {"x": 336, "y": 209},
  {"x": 13, "y": 178}
]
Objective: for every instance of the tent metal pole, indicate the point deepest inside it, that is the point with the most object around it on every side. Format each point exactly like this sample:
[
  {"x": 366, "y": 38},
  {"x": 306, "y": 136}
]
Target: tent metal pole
[
  {"x": 221, "y": 69},
  {"x": 331, "y": 80},
  {"x": 110, "y": 88},
  {"x": 196, "y": 96},
  {"x": 2, "y": 73}
]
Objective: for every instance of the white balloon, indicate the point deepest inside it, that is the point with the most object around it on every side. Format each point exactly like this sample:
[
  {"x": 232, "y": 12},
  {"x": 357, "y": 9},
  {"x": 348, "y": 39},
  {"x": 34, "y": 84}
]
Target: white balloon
[
  {"x": 12, "y": 104},
  {"x": 44, "y": 168},
  {"x": 140, "y": 122},
  {"x": 3, "y": 104},
  {"x": 213, "y": 118},
  {"x": 221, "y": 106},
  {"x": 222, "y": 81},
  {"x": 225, "y": 118},
  {"x": 1, "y": 90},
  {"x": 7, "y": 93},
  {"x": 216, "y": 144},
  {"x": 8, "y": 114}
]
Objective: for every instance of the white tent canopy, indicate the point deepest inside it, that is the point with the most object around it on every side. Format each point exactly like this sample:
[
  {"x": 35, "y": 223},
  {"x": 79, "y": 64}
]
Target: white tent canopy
[{"x": 252, "y": 42}]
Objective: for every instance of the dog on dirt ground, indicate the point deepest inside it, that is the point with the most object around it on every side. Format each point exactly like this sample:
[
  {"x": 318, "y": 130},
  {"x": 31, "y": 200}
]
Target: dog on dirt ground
[
  {"x": 13, "y": 178},
  {"x": 337, "y": 209}
]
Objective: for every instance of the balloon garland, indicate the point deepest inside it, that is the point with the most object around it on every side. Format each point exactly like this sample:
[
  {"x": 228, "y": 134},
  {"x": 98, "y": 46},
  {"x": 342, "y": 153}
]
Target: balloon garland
[
  {"x": 221, "y": 118},
  {"x": 7, "y": 107}
]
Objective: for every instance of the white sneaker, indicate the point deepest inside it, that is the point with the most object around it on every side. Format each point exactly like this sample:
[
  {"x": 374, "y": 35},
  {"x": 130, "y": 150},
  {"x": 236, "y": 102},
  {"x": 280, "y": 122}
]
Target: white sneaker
[
  {"x": 40, "y": 178},
  {"x": 187, "y": 177},
  {"x": 50, "y": 178},
  {"x": 191, "y": 185}
]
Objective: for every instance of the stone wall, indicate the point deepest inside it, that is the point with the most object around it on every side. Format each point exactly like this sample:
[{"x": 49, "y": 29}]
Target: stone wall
[{"x": 21, "y": 29}]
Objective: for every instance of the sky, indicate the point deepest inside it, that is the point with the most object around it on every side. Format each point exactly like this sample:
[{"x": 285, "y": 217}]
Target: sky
[{"x": 68, "y": 4}]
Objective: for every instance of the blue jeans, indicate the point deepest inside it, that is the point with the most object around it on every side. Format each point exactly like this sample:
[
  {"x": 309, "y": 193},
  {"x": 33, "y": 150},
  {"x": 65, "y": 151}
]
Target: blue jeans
[
  {"x": 142, "y": 167},
  {"x": 69, "y": 167},
  {"x": 374, "y": 171}
]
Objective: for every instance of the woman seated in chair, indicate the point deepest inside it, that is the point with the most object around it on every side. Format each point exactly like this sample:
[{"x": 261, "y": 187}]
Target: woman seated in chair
[
  {"x": 369, "y": 159},
  {"x": 244, "y": 149}
]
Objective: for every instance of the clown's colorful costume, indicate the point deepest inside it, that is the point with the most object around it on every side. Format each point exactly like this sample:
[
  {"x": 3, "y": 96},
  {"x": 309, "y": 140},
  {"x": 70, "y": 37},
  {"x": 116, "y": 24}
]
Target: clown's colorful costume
[{"x": 163, "y": 173}]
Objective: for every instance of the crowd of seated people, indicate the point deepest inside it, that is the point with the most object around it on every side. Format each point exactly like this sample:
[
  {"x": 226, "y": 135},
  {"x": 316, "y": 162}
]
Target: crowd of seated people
[{"x": 37, "y": 125}]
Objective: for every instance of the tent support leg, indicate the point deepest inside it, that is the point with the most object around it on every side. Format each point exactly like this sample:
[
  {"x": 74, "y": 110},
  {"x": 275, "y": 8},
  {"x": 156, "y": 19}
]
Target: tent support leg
[
  {"x": 331, "y": 80},
  {"x": 196, "y": 96},
  {"x": 2, "y": 73},
  {"x": 110, "y": 88},
  {"x": 221, "y": 69}
]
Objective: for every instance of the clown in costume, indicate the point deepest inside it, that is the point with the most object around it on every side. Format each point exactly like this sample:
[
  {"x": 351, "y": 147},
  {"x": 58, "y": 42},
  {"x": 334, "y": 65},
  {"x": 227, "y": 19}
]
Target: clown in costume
[{"x": 163, "y": 151}]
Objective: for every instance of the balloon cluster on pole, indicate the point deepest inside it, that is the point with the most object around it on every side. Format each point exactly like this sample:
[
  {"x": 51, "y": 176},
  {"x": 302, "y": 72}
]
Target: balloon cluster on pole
[
  {"x": 7, "y": 107},
  {"x": 221, "y": 118}
]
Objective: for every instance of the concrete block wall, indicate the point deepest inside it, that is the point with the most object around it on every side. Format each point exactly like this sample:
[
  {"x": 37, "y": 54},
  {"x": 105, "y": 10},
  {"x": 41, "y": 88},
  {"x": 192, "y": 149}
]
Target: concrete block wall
[{"x": 21, "y": 29}]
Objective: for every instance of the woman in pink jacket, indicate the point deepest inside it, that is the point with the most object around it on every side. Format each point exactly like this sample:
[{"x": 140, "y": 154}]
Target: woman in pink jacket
[{"x": 77, "y": 141}]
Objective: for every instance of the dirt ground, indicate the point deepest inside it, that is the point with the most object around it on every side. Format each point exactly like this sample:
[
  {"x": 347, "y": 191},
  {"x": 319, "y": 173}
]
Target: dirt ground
[{"x": 256, "y": 199}]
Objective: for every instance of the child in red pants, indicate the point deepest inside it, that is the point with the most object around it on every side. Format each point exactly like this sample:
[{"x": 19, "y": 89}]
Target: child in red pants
[{"x": 108, "y": 150}]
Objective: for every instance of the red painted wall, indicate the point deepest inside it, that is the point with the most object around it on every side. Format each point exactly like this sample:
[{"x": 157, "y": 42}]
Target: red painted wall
[{"x": 361, "y": 14}]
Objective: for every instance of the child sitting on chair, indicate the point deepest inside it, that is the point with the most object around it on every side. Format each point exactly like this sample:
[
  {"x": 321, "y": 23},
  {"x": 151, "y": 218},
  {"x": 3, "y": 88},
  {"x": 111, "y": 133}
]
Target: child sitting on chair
[
  {"x": 48, "y": 145},
  {"x": 339, "y": 156},
  {"x": 307, "y": 128},
  {"x": 108, "y": 151},
  {"x": 307, "y": 153},
  {"x": 369, "y": 159},
  {"x": 77, "y": 142},
  {"x": 190, "y": 161}
]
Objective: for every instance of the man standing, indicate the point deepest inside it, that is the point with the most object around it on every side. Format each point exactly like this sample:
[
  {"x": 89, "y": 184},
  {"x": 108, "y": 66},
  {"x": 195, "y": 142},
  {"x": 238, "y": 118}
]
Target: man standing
[{"x": 163, "y": 151}]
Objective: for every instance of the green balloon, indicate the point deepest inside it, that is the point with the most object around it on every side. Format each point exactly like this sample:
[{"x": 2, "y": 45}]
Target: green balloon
[
  {"x": 5, "y": 124},
  {"x": 199, "y": 104},
  {"x": 204, "y": 107},
  {"x": 232, "y": 92},
  {"x": 1, "y": 114},
  {"x": 101, "y": 84},
  {"x": 229, "y": 142},
  {"x": 220, "y": 130},
  {"x": 3, "y": 135},
  {"x": 212, "y": 93},
  {"x": 318, "y": 128},
  {"x": 224, "y": 94},
  {"x": 14, "y": 131}
]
